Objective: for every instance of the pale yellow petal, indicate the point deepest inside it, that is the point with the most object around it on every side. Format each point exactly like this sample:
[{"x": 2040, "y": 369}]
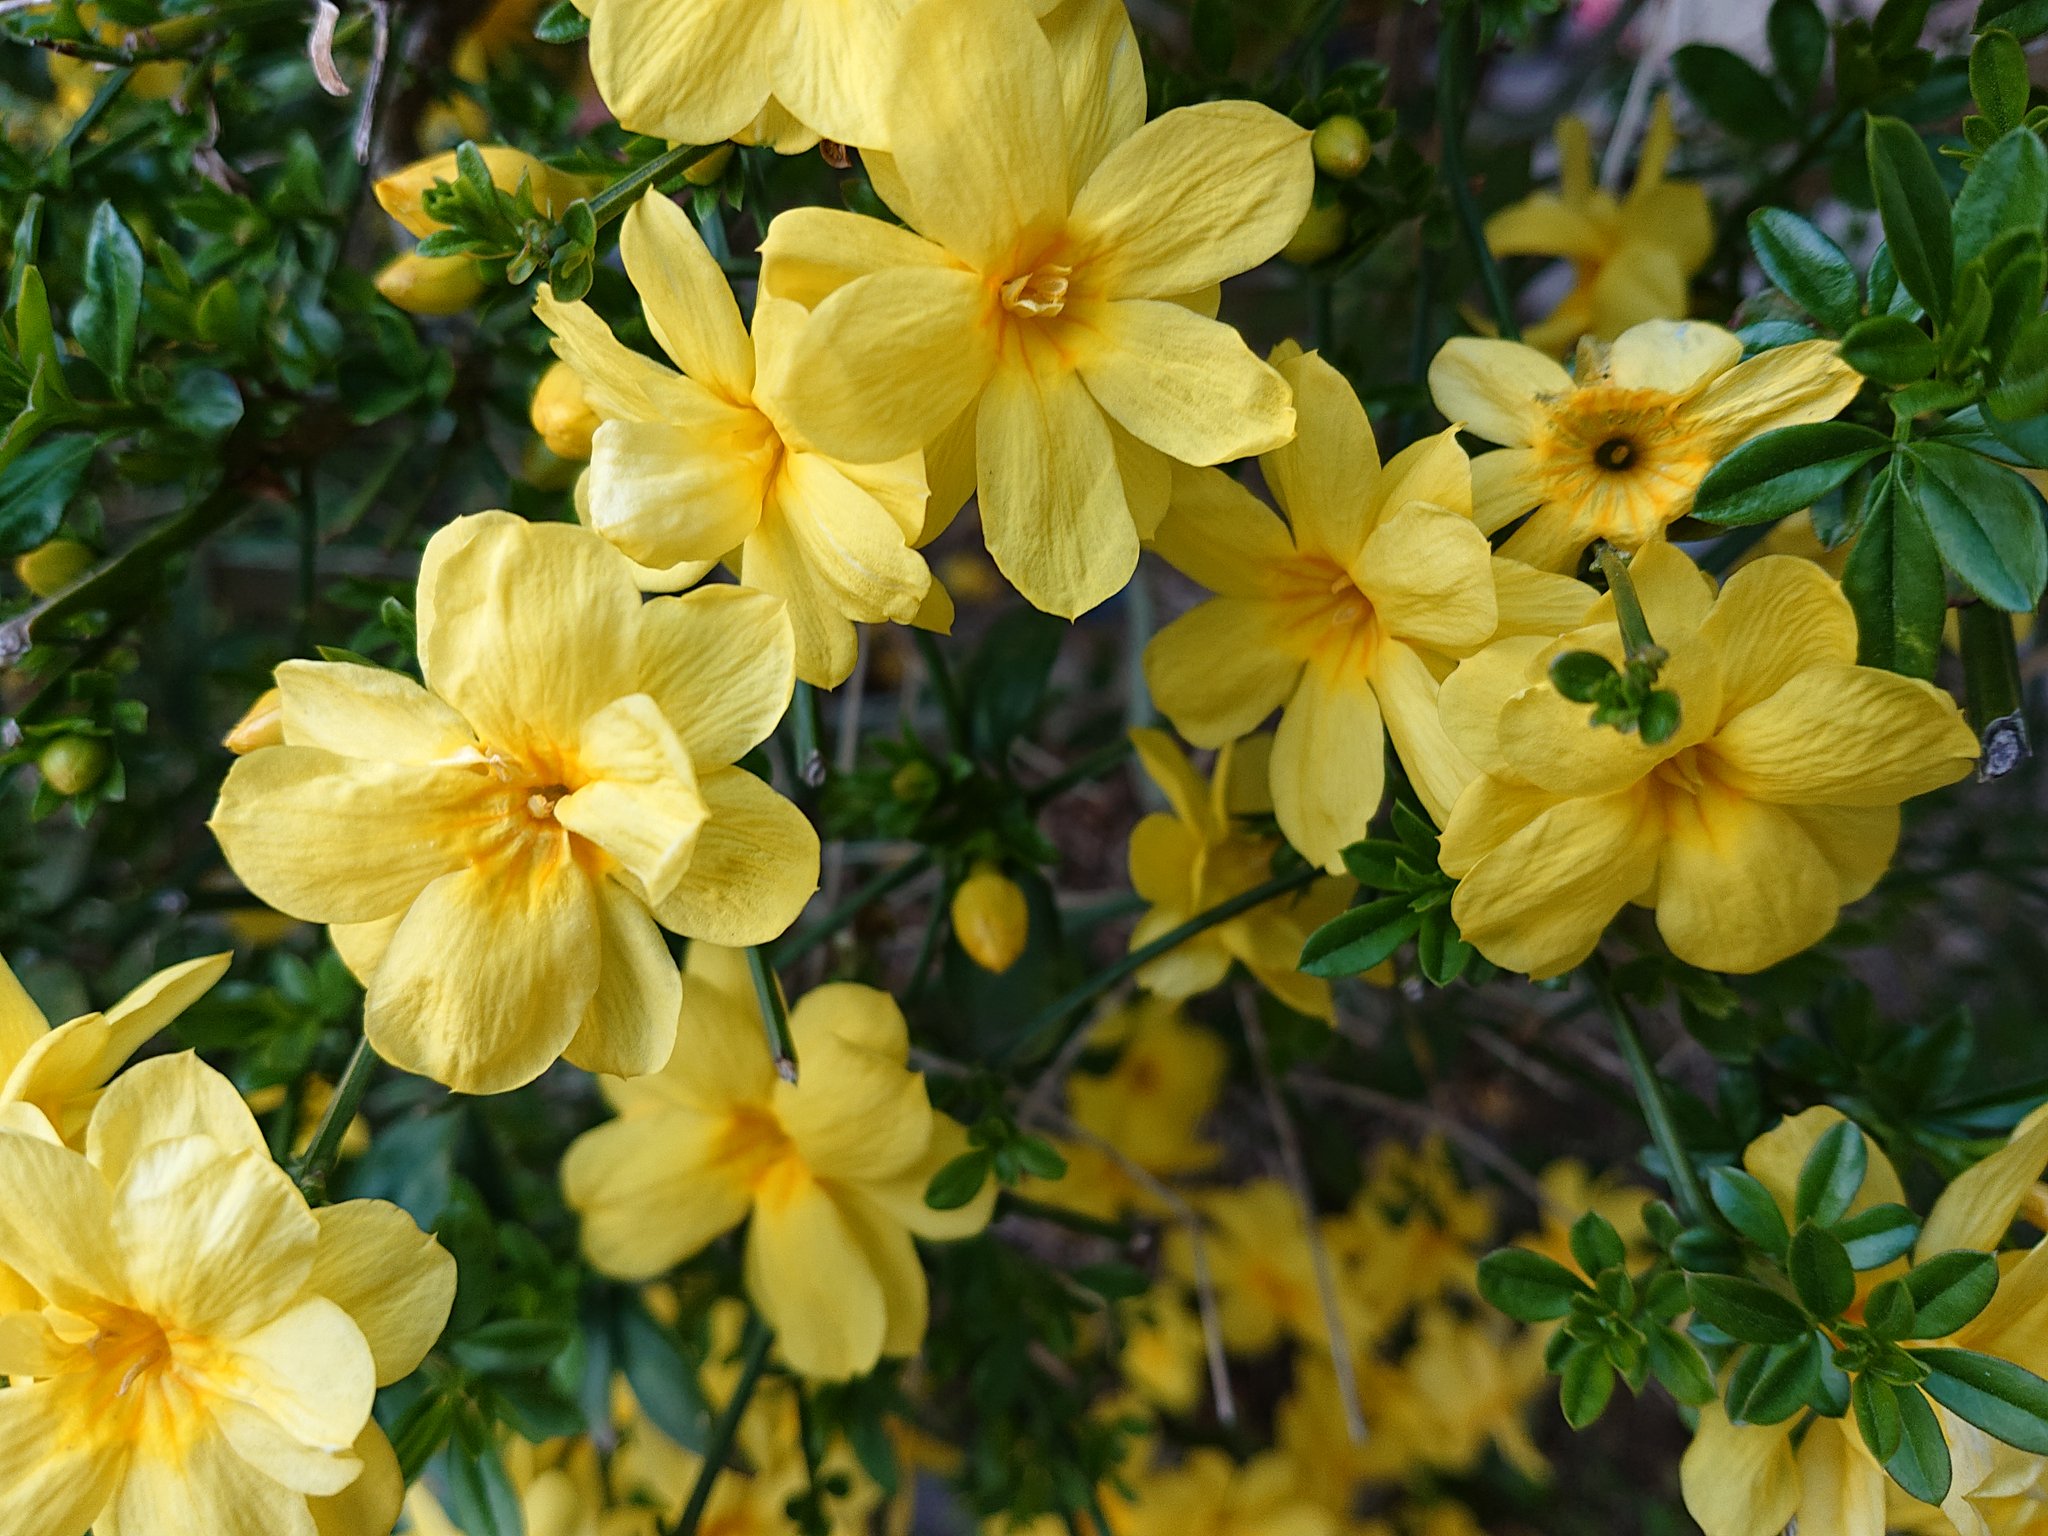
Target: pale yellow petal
[
  {"x": 21, "y": 1021},
  {"x": 394, "y": 1280},
  {"x": 51, "y": 1483},
  {"x": 1102, "y": 80},
  {"x": 808, "y": 1274},
  {"x": 689, "y": 305},
  {"x": 1220, "y": 669},
  {"x": 1327, "y": 479},
  {"x": 1543, "y": 224},
  {"x": 1673, "y": 356},
  {"x": 755, "y": 866},
  {"x": 368, "y": 712},
  {"x": 826, "y": 66},
  {"x": 1436, "y": 470},
  {"x": 639, "y": 802},
  {"x": 893, "y": 1257},
  {"x": 1221, "y": 535},
  {"x": 810, "y": 253},
  {"x": 309, "y": 1371},
  {"x": 824, "y": 641},
  {"x": 1487, "y": 812},
  {"x": 1740, "y": 886},
  {"x": 902, "y": 1200},
  {"x": 162, "y": 1099},
  {"x": 618, "y": 383},
  {"x": 1847, "y": 735},
  {"x": 55, "y": 1220},
  {"x": 1642, "y": 281},
  {"x": 1190, "y": 387},
  {"x": 1473, "y": 697},
  {"x": 1495, "y": 389},
  {"x": 371, "y": 1503},
  {"x": 1168, "y": 767},
  {"x": 1775, "y": 618},
  {"x": 1534, "y": 602},
  {"x": 1857, "y": 840},
  {"x": 666, "y": 492},
  {"x": 629, "y": 1029},
  {"x": 860, "y": 551},
  {"x": 720, "y": 662},
  {"x": 1429, "y": 575},
  {"x": 649, "y": 1193},
  {"x": 1740, "y": 1479},
  {"x": 207, "y": 1487},
  {"x": 854, "y": 1113},
  {"x": 1784, "y": 387},
  {"x": 1775, "y": 1158},
  {"x": 1504, "y": 486},
  {"x": 1408, "y": 693},
  {"x": 1329, "y": 763},
  {"x": 641, "y": 53}
]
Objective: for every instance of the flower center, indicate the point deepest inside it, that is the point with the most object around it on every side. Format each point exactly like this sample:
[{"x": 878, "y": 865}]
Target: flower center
[
  {"x": 1615, "y": 453},
  {"x": 540, "y": 804},
  {"x": 754, "y": 1150},
  {"x": 129, "y": 1352},
  {"x": 1039, "y": 294}
]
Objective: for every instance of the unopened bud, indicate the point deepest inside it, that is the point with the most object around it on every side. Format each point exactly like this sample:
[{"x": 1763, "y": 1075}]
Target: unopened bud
[
  {"x": 431, "y": 285},
  {"x": 71, "y": 765},
  {"x": 262, "y": 726},
  {"x": 52, "y": 567},
  {"x": 710, "y": 168},
  {"x": 561, "y": 414},
  {"x": 913, "y": 782},
  {"x": 1324, "y": 230},
  {"x": 991, "y": 919},
  {"x": 1341, "y": 146}
]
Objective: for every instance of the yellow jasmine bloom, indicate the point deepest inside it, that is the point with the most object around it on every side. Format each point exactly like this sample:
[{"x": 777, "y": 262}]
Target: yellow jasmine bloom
[
  {"x": 1201, "y": 852},
  {"x": 1632, "y": 258},
  {"x": 1345, "y": 616},
  {"x": 501, "y": 848},
  {"x": 1415, "y": 1231},
  {"x": 1310, "y": 1430},
  {"x": 1617, "y": 449},
  {"x": 1259, "y": 1259},
  {"x": 562, "y": 1492},
  {"x": 694, "y": 467},
  {"x": 1034, "y": 316},
  {"x": 832, "y": 1167},
  {"x": 447, "y": 285},
  {"x": 200, "y": 1350},
  {"x": 1474, "y": 1381},
  {"x": 1163, "y": 1358},
  {"x": 1207, "y": 1494},
  {"x": 60, "y": 1073},
  {"x": 1773, "y": 805}
]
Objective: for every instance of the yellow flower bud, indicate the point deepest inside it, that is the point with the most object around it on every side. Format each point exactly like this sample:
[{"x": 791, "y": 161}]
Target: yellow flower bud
[
  {"x": 991, "y": 919},
  {"x": 402, "y": 193},
  {"x": 53, "y": 566},
  {"x": 561, "y": 415},
  {"x": 1324, "y": 229},
  {"x": 1341, "y": 146},
  {"x": 431, "y": 285},
  {"x": 71, "y": 765},
  {"x": 710, "y": 168},
  {"x": 262, "y": 726}
]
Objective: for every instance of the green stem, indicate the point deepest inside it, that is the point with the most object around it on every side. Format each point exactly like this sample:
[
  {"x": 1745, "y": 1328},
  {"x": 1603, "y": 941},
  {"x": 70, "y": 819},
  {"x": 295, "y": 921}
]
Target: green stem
[
  {"x": 1457, "y": 47},
  {"x": 109, "y": 91},
  {"x": 942, "y": 684},
  {"x": 1991, "y": 686},
  {"x": 314, "y": 1167},
  {"x": 1628, "y": 608},
  {"x": 810, "y": 758},
  {"x": 774, "y": 1011},
  {"x": 790, "y": 950},
  {"x": 1685, "y": 1181},
  {"x": 758, "y": 1337},
  {"x": 615, "y": 199},
  {"x": 928, "y": 945},
  {"x": 1053, "y": 1019}
]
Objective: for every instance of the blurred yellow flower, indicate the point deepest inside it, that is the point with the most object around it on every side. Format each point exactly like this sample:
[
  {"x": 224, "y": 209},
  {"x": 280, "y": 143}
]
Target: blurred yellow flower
[
  {"x": 501, "y": 848},
  {"x": 561, "y": 1490},
  {"x": 1259, "y": 1260},
  {"x": 1208, "y": 1494},
  {"x": 1474, "y": 1382},
  {"x": 831, "y": 1168},
  {"x": 1413, "y": 1235},
  {"x": 1163, "y": 1358},
  {"x": 1632, "y": 258},
  {"x": 693, "y": 467},
  {"x": 50, "y": 1079},
  {"x": 1201, "y": 853},
  {"x": 188, "y": 1346},
  {"x": 1773, "y": 805},
  {"x": 1039, "y": 321},
  {"x": 1617, "y": 449},
  {"x": 1345, "y": 616},
  {"x": 991, "y": 919}
]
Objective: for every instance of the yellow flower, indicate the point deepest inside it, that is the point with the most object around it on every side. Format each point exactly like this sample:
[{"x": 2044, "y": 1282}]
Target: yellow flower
[
  {"x": 562, "y": 415},
  {"x": 562, "y": 1492},
  {"x": 1040, "y": 321},
  {"x": 699, "y": 465},
  {"x": 50, "y": 1079},
  {"x": 1310, "y": 1430},
  {"x": 261, "y": 726},
  {"x": 1345, "y": 616},
  {"x": 1618, "y": 451},
  {"x": 1163, "y": 1359},
  {"x": 1259, "y": 1260},
  {"x": 1474, "y": 1382},
  {"x": 1202, "y": 853},
  {"x": 1414, "y": 1233},
  {"x": 1632, "y": 258},
  {"x": 498, "y": 847},
  {"x": 1773, "y": 805},
  {"x": 1209, "y": 1495},
  {"x": 832, "y": 1168},
  {"x": 446, "y": 285},
  {"x": 200, "y": 1349}
]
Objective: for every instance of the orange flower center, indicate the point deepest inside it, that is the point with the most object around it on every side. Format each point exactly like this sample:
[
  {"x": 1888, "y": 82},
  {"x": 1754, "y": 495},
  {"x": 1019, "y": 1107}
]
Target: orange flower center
[
  {"x": 1331, "y": 619},
  {"x": 754, "y": 1150},
  {"x": 1623, "y": 463}
]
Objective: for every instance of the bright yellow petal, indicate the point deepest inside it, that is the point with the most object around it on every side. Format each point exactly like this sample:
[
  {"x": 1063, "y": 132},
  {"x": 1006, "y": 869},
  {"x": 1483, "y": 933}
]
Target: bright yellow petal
[
  {"x": 1643, "y": 281},
  {"x": 1102, "y": 80},
  {"x": 1544, "y": 224},
  {"x": 854, "y": 1112},
  {"x": 1857, "y": 841},
  {"x": 901, "y": 1199},
  {"x": 54, "y": 1484},
  {"x": 629, "y": 1029},
  {"x": 649, "y": 1193},
  {"x": 373, "y": 1501},
  {"x": 1549, "y": 740},
  {"x": 1740, "y": 886},
  {"x": 640, "y": 803},
  {"x": 1147, "y": 476},
  {"x": 720, "y": 662},
  {"x": 1534, "y": 602},
  {"x": 1983, "y": 1201},
  {"x": 1473, "y": 697},
  {"x": 666, "y": 492},
  {"x": 394, "y": 1280},
  {"x": 1328, "y": 479},
  {"x": 755, "y": 867},
  {"x": 1435, "y": 469},
  {"x": 1495, "y": 389},
  {"x": 1329, "y": 763},
  {"x": 1846, "y": 735},
  {"x": 368, "y": 712},
  {"x": 1218, "y": 533},
  {"x": 1672, "y": 356},
  {"x": 810, "y": 253},
  {"x": 162, "y": 1099},
  {"x": 1775, "y": 618},
  {"x": 695, "y": 75},
  {"x": 824, "y": 642},
  {"x": 689, "y": 306},
  {"x": 21, "y": 1022},
  {"x": 1220, "y": 669},
  {"x": 1504, "y": 486},
  {"x": 1775, "y": 1158},
  {"x": 1190, "y": 387},
  {"x": 1195, "y": 196},
  {"x": 1740, "y": 1479},
  {"x": 1408, "y": 693},
  {"x": 806, "y": 1271},
  {"x": 891, "y": 1254},
  {"x": 1429, "y": 575},
  {"x": 1784, "y": 387},
  {"x": 618, "y": 383},
  {"x": 826, "y": 65},
  {"x": 860, "y": 551},
  {"x": 1168, "y": 767}
]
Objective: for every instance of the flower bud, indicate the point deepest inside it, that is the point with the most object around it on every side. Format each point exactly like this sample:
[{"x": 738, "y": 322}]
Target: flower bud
[
  {"x": 913, "y": 782},
  {"x": 402, "y": 194},
  {"x": 1323, "y": 232},
  {"x": 1341, "y": 146},
  {"x": 990, "y": 919},
  {"x": 262, "y": 726},
  {"x": 71, "y": 765},
  {"x": 431, "y": 285},
  {"x": 52, "y": 567},
  {"x": 710, "y": 168},
  {"x": 561, "y": 415}
]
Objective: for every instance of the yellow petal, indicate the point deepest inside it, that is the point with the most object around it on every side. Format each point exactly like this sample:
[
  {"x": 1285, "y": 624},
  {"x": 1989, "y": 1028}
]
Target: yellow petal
[
  {"x": 1982, "y": 1201},
  {"x": 1190, "y": 387},
  {"x": 1188, "y": 970},
  {"x": 649, "y": 1193},
  {"x": 309, "y": 1371},
  {"x": 1487, "y": 812},
  {"x": 630, "y": 1027},
  {"x": 824, "y": 641},
  {"x": 720, "y": 662},
  {"x": 901, "y": 1199},
  {"x": 1549, "y": 740},
  {"x": 1429, "y": 576},
  {"x": 825, "y": 74},
  {"x": 56, "y": 1483},
  {"x": 1473, "y": 697},
  {"x": 1436, "y": 470},
  {"x": 163, "y": 1099},
  {"x": 1740, "y": 1479},
  {"x": 1673, "y": 356},
  {"x": 1784, "y": 387},
  {"x": 891, "y": 1254},
  {"x": 1221, "y": 535},
  {"x": 1495, "y": 389},
  {"x": 1534, "y": 602},
  {"x": 860, "y": 551},
  {"x": 1504, "y": 486},
  {"x": 1740, "y": 886},
  {"x": 1168, "y": 767},
  {"x": 1544, "y": 224},
  {"x": 490, "y": 974},
  {"x": 1642, "y": 281},
  {"x": 1102, "y": 80},
  {"x": 373, "y": 1501},
  {"x": 1776, "y": 617},
  {"x": 394, "y": 1280},
  {"x": 695, "y": 76},
  {"x": 368, "y": 712},
  {"x": 1052, "y": 503},
  {"x": 755, "y": 866},
  {"x": 618, "y": 383},
  {"x": 1678, "y": 216},
  {"x": 1197, "y": 195},
  {"x": 853, "y": 1112},
  {"x": 1220, "y": 669},
  {"x": 1161, "y": 862},
  {"x": 1775, "y": 1158},
  {"x": 1328, "y": 479},
  {"x": 1846, "y": 735},
  {"x": 949, "y": 467},
  {"x": 688, "y": 304},
  {"x": 814, "y": 1285},
  {"x": 204, "y": 1486},
  {"x": 56, "y": 1222},
  {"x": 810, "y": 253},
  {"x": 666, "y": 492},
  {"x": 21, "y": 1021},
  {"x": 1147, "y": 476},
  {"x": 362, "y": 945},
  {"x": 640, "y": 803},
  {"x": 1857, "y": 841},
  {"x": 1841, "y": 1488},
  {"x": 1408, "y": 692},
  {"x": 1329, "y": 763}
]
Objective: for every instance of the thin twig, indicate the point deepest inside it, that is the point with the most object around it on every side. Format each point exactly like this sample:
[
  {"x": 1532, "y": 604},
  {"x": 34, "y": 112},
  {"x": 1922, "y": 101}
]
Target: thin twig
[
  {"x": 1679, "y": 1171},
  {"x": 311, "y": 1173},
  {"x": 758, "y": 1337},
  {"x": 774, "y": 1012},
  {"x": 373, "y": 79}
]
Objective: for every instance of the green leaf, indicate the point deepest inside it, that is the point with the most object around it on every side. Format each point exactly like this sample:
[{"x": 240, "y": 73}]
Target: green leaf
[
  {"x": 1831, "y": 1175},
  {"x": 1820, "y": 1271},
  {"x": 1750, "y": 1208},
  {"x": 1527, "y": 1286},
  {"x": 1986, "y": 522},
  {"x": 35, "y": 338},
  {"x": 1888, "y": 1311},
  {"x": 1806, "y": 265},
  {"x": 1877, "y": 1415},
  {"x": 1785, "y": 471},
  {"x": 481, "y": 1498},
  {"x": 1384, "y": 866},
  {"x": 1676, "y": 1361},
  {"x": 105, "y": 319},
  {"x": 958, "y": 1182},
  {"x": 1914, "y": 207},
  {"x": 1790, "y": 1375},
  {"x": 1729, "y": 89},
  {"x": 2022, "y": 18},
  {"x": 1587, "y": 1385},
  {"x": 37, "y": 487},
  {"x": 1005, "y": 683},
  {"x": 1798, "y": 36},
  {"x": 1896, "y": 28},
  {"x": 2005, "y": 1400},
  {"x": 1875, "y": 1237},
  {"x": 2022, "y": 387},
  {"x": 1950, "y": 1289},
  {"x": 1744, "y": 1310},
  {"x": 1353, "y": 942},
  {"x": 2007, "y": 190},
  {"x": 562, "y": 23},
  {"x": 1890, "y": 349},
  {"x": 1596, "y": 1245},
  {"x": 1893, "y": 580},
  {"x": 1920, "y": 1465},
  {"x": 1998, "y": 79},
  {"x": 510, "y": 1344},
  {"x": 663, "y": 1380}
]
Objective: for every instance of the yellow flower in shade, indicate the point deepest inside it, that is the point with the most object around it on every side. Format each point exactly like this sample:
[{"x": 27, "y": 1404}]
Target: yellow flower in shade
[
  {"x": 1258, "y": 1257},
  {"x": 60, "y": 1073},
  {"x": 1309, "y": 1428},
  {"x": 446, "y": 285},
  {"x": 1201, "y": 853},
  {"x": 1570, "y": 1190},
  {"x": 832, "y": 1168},
  {"x": 1163, "y": 1358},
  {"x": 1207, "y": 1494},
  {"x": 562, "y": 1492},
  {"x": 1474, "y": 1381},
  {"x": 192, "y": 1348},
  {"x": 1413, "y": 1235},
  {"x": 1632, "y": 258},
  {"x": 500, "y": 849},
  {"x": 694, "y": 467},
  {"x": 1617, "y": 450},
  {"x": 1039, "y": 322},
  {"x": 1773, "y": 805},
  {"x": 1345, "y": 616}
]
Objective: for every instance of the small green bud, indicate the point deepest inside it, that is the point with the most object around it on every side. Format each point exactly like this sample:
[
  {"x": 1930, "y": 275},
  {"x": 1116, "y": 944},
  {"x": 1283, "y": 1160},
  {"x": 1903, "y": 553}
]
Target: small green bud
[
  {"x": 1341, "y": 146},
  {"x": 913, "y": 783},
  {"x": 71, "y": 765},
  {"x": 1324, "y": 230},
  {"x": 1581, "y": 676},
  {"x": 1657, "y": 722}
]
